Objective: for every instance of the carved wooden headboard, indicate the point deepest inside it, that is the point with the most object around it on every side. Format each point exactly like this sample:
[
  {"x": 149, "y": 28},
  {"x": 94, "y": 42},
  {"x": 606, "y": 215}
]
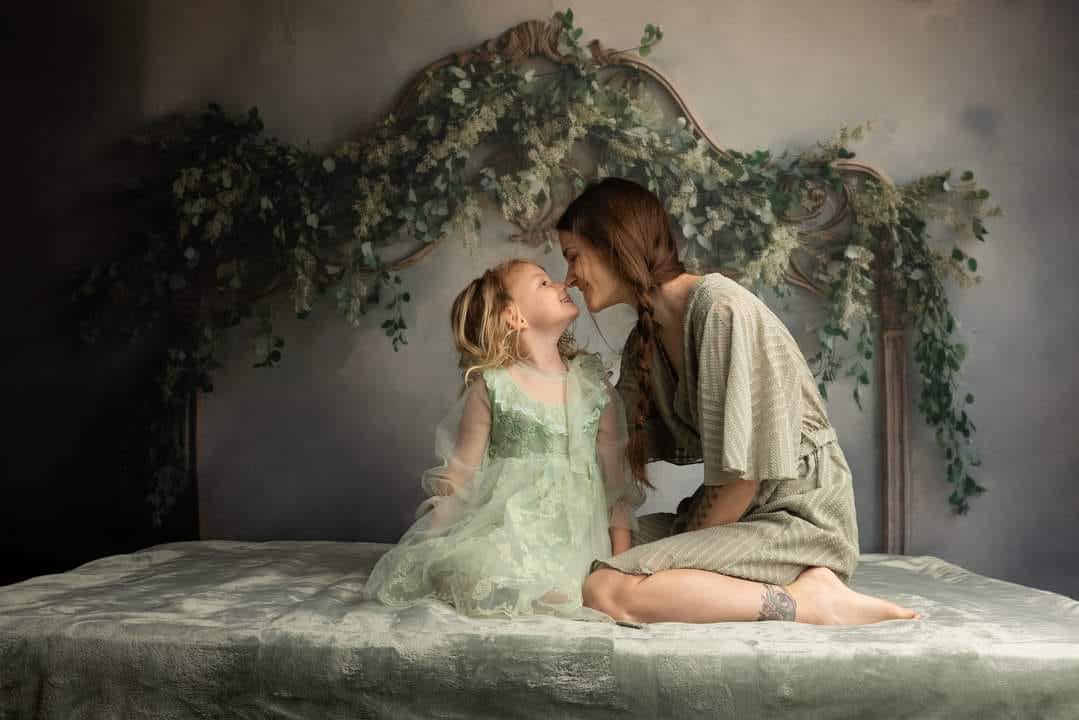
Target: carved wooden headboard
[{"x": 827, "y": 219}]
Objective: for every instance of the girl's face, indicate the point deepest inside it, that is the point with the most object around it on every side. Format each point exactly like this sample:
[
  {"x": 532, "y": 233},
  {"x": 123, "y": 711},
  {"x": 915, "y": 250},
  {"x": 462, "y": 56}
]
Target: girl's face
[
  {"x": 588, "y": 272},
  {"x": 544, "y": 303}
]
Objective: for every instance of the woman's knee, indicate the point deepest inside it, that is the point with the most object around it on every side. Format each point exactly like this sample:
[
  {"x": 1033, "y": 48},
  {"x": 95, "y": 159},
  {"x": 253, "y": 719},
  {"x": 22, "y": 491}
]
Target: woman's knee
[{"x": 607, "y": 590}]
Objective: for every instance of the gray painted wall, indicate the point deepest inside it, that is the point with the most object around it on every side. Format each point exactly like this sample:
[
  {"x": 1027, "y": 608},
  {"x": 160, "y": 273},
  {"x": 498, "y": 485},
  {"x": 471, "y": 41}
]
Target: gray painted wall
[{"x": 331, "y": 444}]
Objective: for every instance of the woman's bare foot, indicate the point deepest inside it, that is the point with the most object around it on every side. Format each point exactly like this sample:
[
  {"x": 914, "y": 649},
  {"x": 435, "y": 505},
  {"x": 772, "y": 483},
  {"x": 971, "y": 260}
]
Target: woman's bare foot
[{"x": 822, "y": 599}]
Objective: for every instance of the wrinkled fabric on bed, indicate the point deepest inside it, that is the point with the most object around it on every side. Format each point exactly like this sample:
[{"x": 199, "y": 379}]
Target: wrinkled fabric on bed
[{"x": 277, "y": 630}]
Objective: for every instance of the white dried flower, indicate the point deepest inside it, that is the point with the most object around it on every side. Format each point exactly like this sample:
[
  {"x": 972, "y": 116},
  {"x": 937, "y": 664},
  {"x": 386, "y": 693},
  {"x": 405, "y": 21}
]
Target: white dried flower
[{"x": 771, "y": 265}]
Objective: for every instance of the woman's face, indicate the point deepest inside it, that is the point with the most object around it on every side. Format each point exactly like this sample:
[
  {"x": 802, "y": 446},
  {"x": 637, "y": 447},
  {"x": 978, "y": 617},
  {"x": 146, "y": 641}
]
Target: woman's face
[{"x": 591, "y": 273}]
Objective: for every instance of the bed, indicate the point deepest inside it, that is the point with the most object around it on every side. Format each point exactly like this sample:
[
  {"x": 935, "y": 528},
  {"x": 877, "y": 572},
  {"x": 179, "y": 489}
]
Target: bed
[{"x": 276, "y": 629}]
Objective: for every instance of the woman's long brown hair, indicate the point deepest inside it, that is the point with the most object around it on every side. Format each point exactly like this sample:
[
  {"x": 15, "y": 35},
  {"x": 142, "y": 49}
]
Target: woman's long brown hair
[{"x": 628, "y": 227}]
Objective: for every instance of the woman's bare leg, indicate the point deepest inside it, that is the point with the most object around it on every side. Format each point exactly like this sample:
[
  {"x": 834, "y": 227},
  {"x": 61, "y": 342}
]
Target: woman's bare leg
[{"x": 702, "y": 596}]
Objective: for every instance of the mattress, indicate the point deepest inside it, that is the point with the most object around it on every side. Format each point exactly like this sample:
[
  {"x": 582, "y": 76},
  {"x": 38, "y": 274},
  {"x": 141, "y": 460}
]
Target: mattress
[{"x": 279, "y": 630}]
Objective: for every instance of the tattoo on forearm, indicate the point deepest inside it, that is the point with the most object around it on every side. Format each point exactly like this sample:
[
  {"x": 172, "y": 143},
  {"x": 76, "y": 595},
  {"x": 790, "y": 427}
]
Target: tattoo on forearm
[
  {"x": 776, "y": 604},
  {"x": 699, "y": 513}
]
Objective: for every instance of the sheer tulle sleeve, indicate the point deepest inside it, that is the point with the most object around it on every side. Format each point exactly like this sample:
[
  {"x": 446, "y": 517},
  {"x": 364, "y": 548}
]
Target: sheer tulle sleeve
[
  {"x": 461, "y": 443},
  {"x": 624, "y": 495}
]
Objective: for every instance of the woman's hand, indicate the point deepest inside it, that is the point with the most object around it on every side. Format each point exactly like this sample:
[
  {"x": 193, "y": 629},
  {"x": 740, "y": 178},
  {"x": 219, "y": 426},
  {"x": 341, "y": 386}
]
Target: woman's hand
[
  {"x": 684, "y": 511},
  {"x": 679, "y": 524}
]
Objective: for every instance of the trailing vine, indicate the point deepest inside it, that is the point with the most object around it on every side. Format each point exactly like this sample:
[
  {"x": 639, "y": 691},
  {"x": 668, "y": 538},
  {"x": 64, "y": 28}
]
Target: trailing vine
[{"x": 232, "y": 225}]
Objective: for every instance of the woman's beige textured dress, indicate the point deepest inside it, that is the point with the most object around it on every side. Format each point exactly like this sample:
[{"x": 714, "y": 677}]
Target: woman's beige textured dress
[{"x": 747, "y": 406}]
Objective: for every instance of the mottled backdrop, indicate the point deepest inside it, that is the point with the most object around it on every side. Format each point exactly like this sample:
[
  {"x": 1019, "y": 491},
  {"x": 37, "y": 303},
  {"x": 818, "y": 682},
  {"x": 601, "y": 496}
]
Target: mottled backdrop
[{"x": 331, "y": 444}]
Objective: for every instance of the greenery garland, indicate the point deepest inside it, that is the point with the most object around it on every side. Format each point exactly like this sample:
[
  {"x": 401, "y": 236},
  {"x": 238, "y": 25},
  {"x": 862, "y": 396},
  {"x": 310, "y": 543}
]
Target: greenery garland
[{"x": 232, "y": 224}]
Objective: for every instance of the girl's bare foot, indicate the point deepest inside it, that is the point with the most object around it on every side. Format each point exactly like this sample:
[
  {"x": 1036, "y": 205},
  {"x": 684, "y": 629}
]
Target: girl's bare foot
[{"x": 821, "y": 598}]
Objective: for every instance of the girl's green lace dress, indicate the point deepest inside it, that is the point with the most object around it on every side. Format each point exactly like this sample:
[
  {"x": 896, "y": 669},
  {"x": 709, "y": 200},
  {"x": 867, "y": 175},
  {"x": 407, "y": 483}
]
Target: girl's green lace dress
[{"x": 533, "y": 475}]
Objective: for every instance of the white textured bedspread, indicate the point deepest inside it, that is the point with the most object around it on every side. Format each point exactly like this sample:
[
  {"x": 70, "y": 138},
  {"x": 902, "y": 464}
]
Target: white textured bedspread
[{"x": 277, "y": 630}]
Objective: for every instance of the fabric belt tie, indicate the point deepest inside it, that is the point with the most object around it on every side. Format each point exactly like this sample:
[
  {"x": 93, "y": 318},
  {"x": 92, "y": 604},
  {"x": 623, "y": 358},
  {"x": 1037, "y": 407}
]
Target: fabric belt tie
[{"x": 816, "y": 439}]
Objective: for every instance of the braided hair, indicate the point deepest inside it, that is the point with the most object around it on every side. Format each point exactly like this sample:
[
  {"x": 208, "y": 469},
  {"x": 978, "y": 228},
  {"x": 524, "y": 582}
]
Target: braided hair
[{"x": 629, "y": 229}]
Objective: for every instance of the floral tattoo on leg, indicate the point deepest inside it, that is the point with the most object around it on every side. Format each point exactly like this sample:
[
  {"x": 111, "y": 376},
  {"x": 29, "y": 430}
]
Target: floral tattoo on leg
[{"x": 776, "y": 604}]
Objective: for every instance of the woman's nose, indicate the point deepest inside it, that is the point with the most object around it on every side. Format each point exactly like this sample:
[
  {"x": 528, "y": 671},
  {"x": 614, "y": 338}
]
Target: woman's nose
[{"x": 571, "y": 280}]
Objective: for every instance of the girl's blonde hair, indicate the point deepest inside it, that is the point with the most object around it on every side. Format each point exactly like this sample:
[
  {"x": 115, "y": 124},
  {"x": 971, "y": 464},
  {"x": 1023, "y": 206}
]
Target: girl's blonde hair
[{"x": 481, "y": 334}]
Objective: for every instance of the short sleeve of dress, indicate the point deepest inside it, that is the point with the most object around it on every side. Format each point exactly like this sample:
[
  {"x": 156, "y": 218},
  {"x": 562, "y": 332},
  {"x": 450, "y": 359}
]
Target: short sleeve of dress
[
  {"x": 748, "y": 393},
  {"x": 460, "y": 442}
]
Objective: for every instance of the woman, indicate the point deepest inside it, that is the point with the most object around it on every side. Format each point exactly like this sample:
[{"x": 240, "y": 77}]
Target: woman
[{"x": 710, "y": 374}]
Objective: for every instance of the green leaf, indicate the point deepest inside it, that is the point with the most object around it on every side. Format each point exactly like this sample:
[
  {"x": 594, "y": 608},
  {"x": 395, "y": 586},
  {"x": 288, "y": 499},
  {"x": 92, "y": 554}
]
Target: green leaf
[{"x": 978, "y": 229}]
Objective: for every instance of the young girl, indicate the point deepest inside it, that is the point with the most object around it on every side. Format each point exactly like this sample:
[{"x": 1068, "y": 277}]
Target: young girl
[{"x": 534, "y": 484}]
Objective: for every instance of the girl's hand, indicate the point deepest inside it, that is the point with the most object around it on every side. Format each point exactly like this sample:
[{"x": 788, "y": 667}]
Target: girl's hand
[{"x": 444, "y": 512}]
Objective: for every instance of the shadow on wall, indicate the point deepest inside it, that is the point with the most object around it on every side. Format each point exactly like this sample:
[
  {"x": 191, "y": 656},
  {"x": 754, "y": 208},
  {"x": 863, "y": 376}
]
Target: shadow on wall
[{"x": 74, "y": 98}]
